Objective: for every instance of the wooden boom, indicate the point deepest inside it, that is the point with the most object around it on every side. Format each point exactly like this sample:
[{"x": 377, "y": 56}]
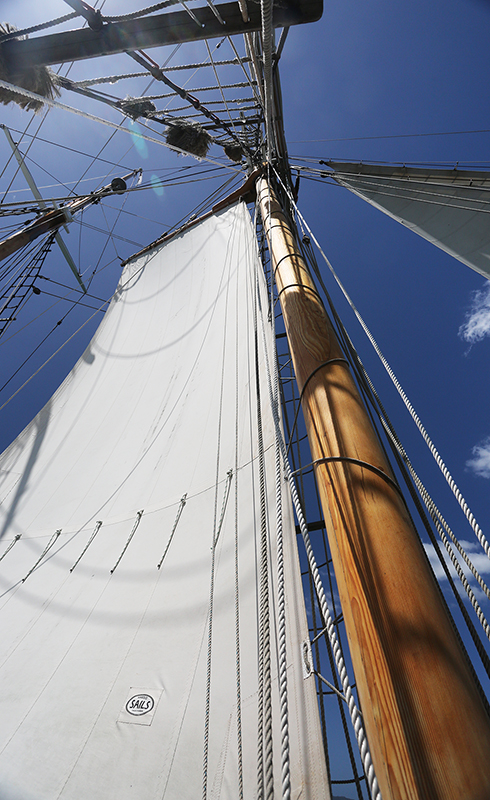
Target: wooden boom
[
  {"x": 427, "y": 726},
  {"x": 152, "y": 31}
]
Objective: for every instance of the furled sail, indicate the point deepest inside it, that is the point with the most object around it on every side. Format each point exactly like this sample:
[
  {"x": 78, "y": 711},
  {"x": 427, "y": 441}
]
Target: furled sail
[
  {"x": 138, "y": 525},
  {"x": 449, "y": 208}
]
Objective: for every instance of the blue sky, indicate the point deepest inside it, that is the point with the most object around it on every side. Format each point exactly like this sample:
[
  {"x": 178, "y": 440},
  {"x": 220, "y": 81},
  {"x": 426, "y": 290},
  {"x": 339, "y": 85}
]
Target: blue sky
[{"x": 370, "y": 81}]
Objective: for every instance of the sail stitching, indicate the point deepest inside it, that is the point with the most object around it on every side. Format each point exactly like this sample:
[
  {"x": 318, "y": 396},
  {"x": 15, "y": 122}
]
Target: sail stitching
[{"x": 236, "y": 557}]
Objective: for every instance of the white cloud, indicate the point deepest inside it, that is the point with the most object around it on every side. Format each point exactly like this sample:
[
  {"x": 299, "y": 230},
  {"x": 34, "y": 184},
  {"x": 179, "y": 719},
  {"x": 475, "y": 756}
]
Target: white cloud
[
  {"x": 480, "y": 463},
  {"x": 477, "y": 557},
  {"x": 477, "y": 323}
]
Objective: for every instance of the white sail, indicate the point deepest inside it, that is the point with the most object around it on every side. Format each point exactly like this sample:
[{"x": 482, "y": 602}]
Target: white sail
[
  {"x": 449, "y": 208},
  {"x": 111, "y": 501}
]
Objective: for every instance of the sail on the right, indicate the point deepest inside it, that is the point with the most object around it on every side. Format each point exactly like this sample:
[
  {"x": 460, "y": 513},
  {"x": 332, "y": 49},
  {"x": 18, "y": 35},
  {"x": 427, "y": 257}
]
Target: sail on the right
[{"x": 447, "y": 207}]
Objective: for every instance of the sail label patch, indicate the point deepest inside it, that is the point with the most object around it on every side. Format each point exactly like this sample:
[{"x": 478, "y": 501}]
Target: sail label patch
[{"x": 140, "y": 706}]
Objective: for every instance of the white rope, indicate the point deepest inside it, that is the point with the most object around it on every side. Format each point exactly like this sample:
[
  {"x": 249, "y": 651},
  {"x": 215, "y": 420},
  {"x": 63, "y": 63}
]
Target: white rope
[
  {"x": 41, "y": 27},
  {"x": 436, "y": 516},
  {"x": 267, "y": 44},
  {"x": 265, "y": 776},
  {"x": 176, "y": 68},
  {"x": 328, "y": 623},
  {"x": 283, "y": 664},
  {"x": 450, "y": 480},
  {"x": 142, "y": 12},
  {"x": 440, "y": 523}
]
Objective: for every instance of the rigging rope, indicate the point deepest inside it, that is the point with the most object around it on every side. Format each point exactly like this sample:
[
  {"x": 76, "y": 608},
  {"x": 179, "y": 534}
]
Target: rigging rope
[
  {"x": 283, "y": 686},
  {"x": 93, "y": 118},
  {"x": 330, "y": 627},
  {"x": 136, "y": 523},
  {"x": 142, "y": 12},
  {"x": 265, "y": 776},
  {"x": 267, "y": 46},
  {"x": 439, "y": 522},
  {"x": 94, "y": 533},
  {"x": 41, "y": 27},
  {"x": 328, "y": 622},
  {"x": 180, "y": 509},
  {"x": 9, "y": 548},
  {"x": 46, "y": 549},
  {"x": 450, "y": 480}
]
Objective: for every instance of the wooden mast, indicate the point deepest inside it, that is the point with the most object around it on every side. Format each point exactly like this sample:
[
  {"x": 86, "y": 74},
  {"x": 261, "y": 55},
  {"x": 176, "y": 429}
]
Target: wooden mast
[{"x": 428, "y": 729}]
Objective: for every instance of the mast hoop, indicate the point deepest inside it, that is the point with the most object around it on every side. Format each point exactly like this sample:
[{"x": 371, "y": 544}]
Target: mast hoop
[
  {"x": 323, "y": 364},
  {"x": 301, "y": 286},
  {"x": 359, "y": 463}
]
